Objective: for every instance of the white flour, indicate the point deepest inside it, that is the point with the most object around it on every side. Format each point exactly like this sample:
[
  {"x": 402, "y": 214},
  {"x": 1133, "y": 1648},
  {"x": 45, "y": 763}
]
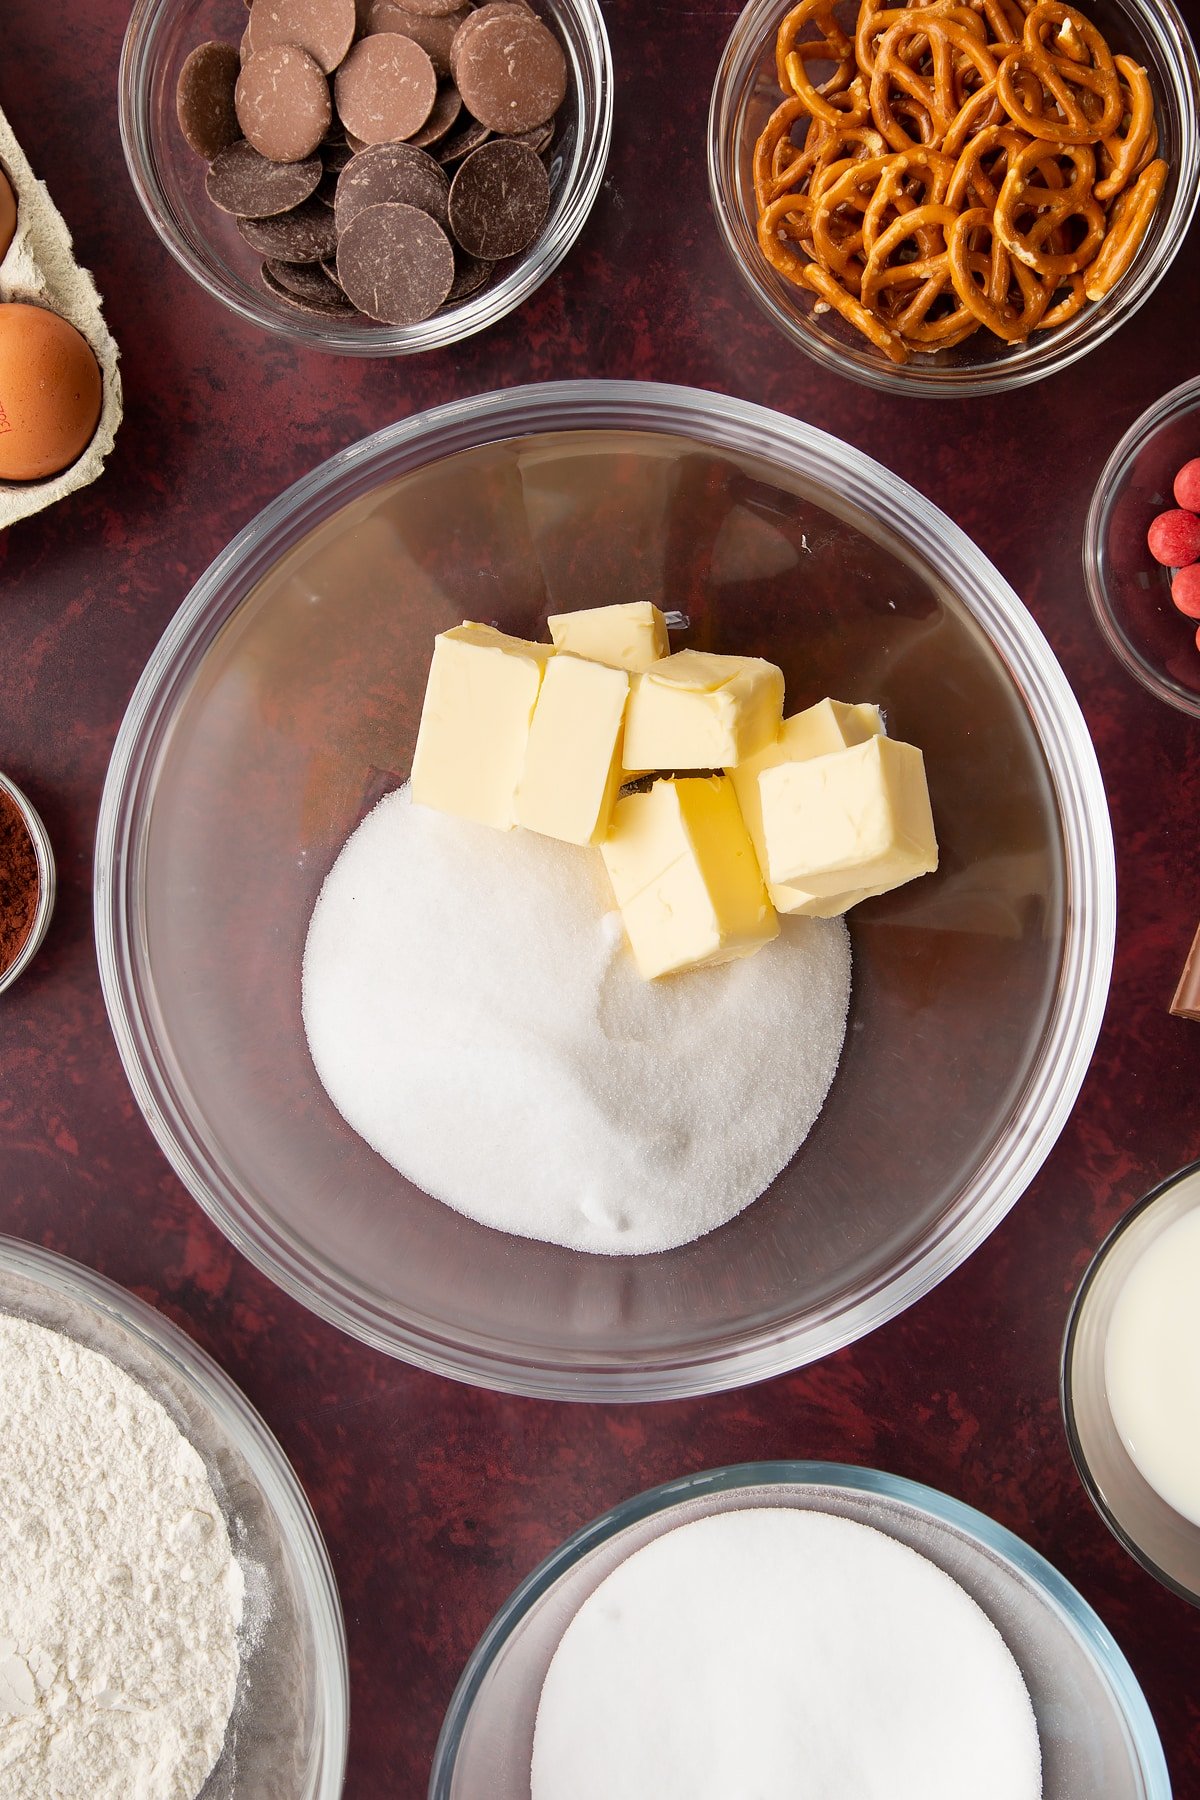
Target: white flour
[
  {"x": 788, "y": 1655},
  {"x": 119, "y": 1593},
  {"x": 474, "y": 1013}
]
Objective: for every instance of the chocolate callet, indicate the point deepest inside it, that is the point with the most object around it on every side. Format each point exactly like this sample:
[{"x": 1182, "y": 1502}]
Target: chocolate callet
[
  {"x": 307, "y": 235},
  {"x": 392, "y": 172},
  {"x": 499, "y": 200},
  {"x": 447, "y": 109},
  {"x": 385, "y": 89},
  {"x": 434, "y": 34},
  {"x": 242, "y": 182},
  {"x": 511, "y": 71},
  {"x": 396, "y": 264},
  {"x": 283, "y": 104},
  {"x": 323, "y": 28},
  {"x": 204, "y": 99},
  {"x": 1186, "y": 1003},
  {"x": 325, "y": 302}
]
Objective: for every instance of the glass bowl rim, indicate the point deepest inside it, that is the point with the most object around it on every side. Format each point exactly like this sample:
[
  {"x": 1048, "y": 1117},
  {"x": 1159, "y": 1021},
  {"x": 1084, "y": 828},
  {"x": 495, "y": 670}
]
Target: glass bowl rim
[
  {"x": 1174, "y": 404},
  {"x": 1066, "y": 1381},
  {"x": 477, "y": 313},
  {"x": 245, "y": 1427},
  {"x": 43, "y": 850},
  {"x": 915, "y": 1496},
  {"x": 722, "y": 422},
  {"x": 753, "y": 29}
]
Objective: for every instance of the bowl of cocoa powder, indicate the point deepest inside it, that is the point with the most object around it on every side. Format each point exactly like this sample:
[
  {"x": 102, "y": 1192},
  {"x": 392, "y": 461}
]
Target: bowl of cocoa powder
[{"x": 26, "y": 882}]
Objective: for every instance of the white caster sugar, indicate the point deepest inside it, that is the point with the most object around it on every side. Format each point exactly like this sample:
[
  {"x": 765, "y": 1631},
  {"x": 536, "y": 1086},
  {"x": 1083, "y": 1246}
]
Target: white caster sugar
[
  {"x": 784, "y": 1655},
  {"x": 474, "y": 1013}
]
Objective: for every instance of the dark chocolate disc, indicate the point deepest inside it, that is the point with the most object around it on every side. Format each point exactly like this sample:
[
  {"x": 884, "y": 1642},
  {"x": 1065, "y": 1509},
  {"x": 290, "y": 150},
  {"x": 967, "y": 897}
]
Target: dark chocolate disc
[
  {"x": 283, "y": 105},
  {"x": 395, "y": 263},
  {"x": 385, "y": 89},
  {"x": 325, "y": 302},
  {"x": 392, "y": 173},
  {"x": 242, "y": 182},
  {"x": 499, "y": 200},
  {"x": 461, "y": 141},
  {"x": 471, "y": 274},
  {"x": 324, "y": 28},
  {"x": 491, "y": 9},
  {"x": 432, "y": 9},
  {"x": 204, "y": 99},
  {"x": 306, "y": 235},
  {"x": 308, "y": 280},
  {"x": 510, "y": 71}
]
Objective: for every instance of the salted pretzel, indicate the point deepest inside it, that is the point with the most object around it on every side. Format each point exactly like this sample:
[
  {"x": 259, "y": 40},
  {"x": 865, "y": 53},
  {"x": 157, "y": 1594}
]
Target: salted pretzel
[{"x": 954, "y": 166}]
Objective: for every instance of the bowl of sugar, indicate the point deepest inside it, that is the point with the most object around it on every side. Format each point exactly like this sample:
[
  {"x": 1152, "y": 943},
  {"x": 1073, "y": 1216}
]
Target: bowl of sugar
[
  {"x": 404, "y": 1060},
  {"x": 778, "y": 1627},
  {"x": 1130, "y": 1382}
]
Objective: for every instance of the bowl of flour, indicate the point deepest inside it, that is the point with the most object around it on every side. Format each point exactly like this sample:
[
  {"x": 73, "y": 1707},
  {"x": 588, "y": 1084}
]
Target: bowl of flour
[
  {"x": 404, "y": 1063},
  {"x": 789, "y": 1627},
  {"x": 169, "y": 1624}
]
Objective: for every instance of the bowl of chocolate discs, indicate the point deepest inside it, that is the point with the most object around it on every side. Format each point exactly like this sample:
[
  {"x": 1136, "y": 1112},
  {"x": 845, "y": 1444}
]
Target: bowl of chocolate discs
[{"x": 372, "y": 179}]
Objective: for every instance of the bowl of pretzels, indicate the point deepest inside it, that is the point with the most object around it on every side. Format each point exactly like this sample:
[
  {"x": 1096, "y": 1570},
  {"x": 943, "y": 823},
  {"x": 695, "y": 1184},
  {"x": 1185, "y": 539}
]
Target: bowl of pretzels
[{"x": 954, "y": 197}]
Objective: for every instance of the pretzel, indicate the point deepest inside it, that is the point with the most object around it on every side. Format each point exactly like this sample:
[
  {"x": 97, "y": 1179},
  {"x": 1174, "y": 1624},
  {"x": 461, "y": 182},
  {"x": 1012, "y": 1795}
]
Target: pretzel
[
  {"x": 966, "y": 165},
  {"x": 1080, "y": 79}
]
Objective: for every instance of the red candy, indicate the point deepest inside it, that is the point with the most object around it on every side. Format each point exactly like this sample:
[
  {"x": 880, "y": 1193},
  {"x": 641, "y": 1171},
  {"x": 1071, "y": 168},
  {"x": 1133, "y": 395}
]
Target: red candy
[
  {"x": 1187, "y": 485},
  {"x": 1185, "y": 590},
  {"x": 1174, "y": 539}
]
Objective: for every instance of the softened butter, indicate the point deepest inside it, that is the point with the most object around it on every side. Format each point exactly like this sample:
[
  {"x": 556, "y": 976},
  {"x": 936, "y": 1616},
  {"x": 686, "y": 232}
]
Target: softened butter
[
  {"x": 685, "y": 876},
  {"x": 695, "y": 710},
  {"x": 573, "y": 759},
  {"x": 858, "y": 817},
  {"x": 628, "y": 636},
  {"x": 479, "y": 702}
]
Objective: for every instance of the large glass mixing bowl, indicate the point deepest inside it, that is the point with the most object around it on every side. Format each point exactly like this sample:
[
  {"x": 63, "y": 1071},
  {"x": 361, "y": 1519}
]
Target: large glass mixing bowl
[{"x": 284, "y": 699}]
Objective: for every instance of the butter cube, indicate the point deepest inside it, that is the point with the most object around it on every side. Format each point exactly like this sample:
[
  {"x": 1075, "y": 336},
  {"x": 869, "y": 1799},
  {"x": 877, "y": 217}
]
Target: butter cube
[
  {"x": 818, "y": 731},
  {"x": 856, "y": 818},
  {"x": 573, "y": 759},
  {"x": 479, "y": 701},
  {"x": 630, "y": 636},
  {"x": 685, "y": 876},
  {"x": 695, "y": 710}
]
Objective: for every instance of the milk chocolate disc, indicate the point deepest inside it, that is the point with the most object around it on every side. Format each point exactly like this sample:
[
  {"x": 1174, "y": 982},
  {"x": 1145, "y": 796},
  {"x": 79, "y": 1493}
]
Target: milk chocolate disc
[
  {"x": 392, "y": 172},
  {"x": 282, "y": 101},
  {"x": 204, "y": 99},
  {"x": 242, "y": 182},
  {"x": 434, "y": 34},
  {"x": 324, "y": 28},
  {"x": 395, "y": 263},
  {"x": 510, "y": 71},
  {"x": 460, "y": 142},
  {"x": 325, "y": 302},
  {"x": 385, "y": 89},
  {"x": 499, "y": 200},
  {"x": 447, "y": 110},
  {"x": 431, "y": 9},
  {"x": 305, "y": 235},
  {"x": 492, "y": 9}
]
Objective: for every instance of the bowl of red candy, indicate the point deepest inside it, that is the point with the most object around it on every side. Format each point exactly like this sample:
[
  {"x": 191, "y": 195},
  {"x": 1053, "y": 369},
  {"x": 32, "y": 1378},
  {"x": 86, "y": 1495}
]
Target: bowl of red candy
[{"x": 1141, "y": 549}]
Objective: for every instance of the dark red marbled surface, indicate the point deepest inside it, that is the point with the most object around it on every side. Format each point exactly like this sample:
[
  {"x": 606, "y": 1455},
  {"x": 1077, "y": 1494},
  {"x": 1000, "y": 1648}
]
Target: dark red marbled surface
[{"x": 436, "y": 1499}]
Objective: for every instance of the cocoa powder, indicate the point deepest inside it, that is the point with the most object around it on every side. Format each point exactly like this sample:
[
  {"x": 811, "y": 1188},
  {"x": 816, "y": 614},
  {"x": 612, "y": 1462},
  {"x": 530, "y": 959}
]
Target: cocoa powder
[{"x": 20, "y": 883}]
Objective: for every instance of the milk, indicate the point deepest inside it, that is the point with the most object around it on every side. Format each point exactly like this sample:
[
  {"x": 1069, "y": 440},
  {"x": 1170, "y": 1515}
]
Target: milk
[{"x": 1152, "y": 1365}]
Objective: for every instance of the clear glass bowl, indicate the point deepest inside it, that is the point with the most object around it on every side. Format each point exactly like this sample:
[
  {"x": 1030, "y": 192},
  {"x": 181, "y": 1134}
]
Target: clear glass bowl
[
  {"x": 169, "y": 178},
  {"x": 745, "y": 95},
  {"x": 286, "y": 1738},
  {"x": 1097, "y": 1735},
  {"x": 1162, "y": 1540},
  {"x": 43, "y": 850},
  {"x": 284, "y": 699},
  {"x": 1130, "y": 592}
]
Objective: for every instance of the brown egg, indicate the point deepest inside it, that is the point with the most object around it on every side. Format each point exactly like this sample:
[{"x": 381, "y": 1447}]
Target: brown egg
[
  {"x": 50, "y": 393},
  {"x": 8, "y": 214}
]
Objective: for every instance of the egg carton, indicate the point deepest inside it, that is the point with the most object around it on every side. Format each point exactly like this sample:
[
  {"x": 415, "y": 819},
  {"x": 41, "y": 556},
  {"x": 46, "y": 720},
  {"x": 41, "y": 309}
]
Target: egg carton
[{"x": 40, "y": 268}]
